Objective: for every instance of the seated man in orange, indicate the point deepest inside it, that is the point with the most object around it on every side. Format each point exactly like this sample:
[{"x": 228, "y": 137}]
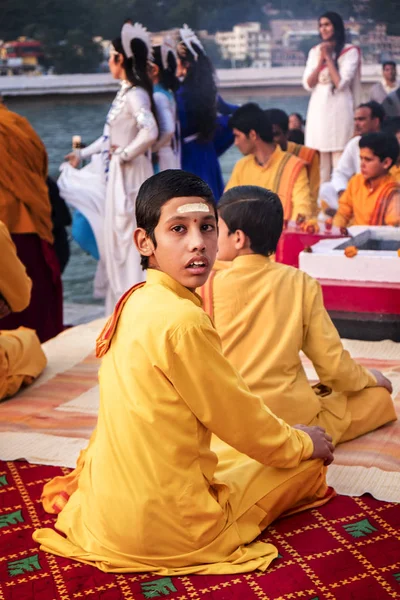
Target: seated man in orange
[
  {"x": 266, "y": 313},
  {"x": 280, "y": 126},
  {"x": 21, "y": 357},
  {"x": 373, "y": 196},
  {"x": 266, "y": 165}
]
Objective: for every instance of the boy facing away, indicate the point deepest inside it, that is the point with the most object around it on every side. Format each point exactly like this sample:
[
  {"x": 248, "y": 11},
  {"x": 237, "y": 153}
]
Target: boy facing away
[
  {"x": 151, "y": 495},
  {"x": 266, "y": 313},
  {"x": 373, "y": 196}
]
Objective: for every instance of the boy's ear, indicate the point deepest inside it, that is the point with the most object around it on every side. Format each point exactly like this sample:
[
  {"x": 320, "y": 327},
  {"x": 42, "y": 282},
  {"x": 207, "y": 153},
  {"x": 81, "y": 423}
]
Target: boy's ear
[
  {"x": 387, "y": 163},
  {"x": 241, "y": 240},
  {"x": 142, "y": 242}
]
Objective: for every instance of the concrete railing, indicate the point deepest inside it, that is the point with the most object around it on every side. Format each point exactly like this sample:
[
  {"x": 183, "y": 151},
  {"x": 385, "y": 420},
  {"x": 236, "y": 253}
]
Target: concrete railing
[{"x": 274, "y": 78}]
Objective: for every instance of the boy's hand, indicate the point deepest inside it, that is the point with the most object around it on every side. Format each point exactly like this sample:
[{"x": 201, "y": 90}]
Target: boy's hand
[
  {"x": 323, "y": 447},
  {"x": 381, "y": 380}
]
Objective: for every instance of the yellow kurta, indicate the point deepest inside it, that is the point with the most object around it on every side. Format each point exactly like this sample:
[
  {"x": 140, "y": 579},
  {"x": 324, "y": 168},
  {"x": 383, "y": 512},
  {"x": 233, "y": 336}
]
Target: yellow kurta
[
  {"x": 21, "y": 356},
  {"x": 357, "y": 204},
  {"x": 272, "y": 176},
  {"x": 151, "y": 494},
  {"x": 265, "y": 314}
]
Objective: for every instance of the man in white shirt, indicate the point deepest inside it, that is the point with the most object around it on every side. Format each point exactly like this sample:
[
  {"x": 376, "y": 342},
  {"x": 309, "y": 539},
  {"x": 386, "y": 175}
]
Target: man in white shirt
[
  {"x": 368, "y": 118},
  {"x": 388, "y": 83}
]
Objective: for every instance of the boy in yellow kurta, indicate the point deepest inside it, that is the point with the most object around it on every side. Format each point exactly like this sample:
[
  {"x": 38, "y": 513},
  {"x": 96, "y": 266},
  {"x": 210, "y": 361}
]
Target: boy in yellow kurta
[
  {"x": 280, "y": 126},
  {"x": 266, "y": 313},
  {"x": 151, "y": 495},
  {"x": 266, "y": 165},
  {"x": 21, "y": 356},
  {"x": 373, "y": 196}
]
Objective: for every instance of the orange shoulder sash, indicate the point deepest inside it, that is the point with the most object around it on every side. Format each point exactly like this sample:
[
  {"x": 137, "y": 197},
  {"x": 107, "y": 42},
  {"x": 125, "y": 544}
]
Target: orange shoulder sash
[
  {"x": 285, "y": 178},
  {"x": 103, "y": 342},
  {"x": 383, "y": 201}
]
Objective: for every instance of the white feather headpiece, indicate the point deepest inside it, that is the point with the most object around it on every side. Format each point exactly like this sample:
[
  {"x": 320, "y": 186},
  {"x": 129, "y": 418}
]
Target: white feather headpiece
[
  {"x": 168, "y": 45},
  {"x": 188, "y": 38},
  {"x": 131, "y": 32}
]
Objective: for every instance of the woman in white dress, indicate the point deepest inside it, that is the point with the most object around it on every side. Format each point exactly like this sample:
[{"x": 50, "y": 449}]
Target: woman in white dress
[
  {"x": 166, "y": 151},
  {"x": 332, "y": 75},
  {"x": 105, "y": 190}
]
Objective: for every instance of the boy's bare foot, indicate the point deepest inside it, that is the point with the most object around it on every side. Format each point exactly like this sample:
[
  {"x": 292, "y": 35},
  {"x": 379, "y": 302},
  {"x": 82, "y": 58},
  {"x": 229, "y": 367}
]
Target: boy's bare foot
[{"x": 323, "y": 446}]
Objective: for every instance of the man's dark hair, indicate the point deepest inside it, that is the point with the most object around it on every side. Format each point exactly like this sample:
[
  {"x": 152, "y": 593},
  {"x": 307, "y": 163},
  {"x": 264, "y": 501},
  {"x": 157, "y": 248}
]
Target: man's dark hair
[
  {"x": 160, "y": 188},
  {"x": 278, "y": 117},
  {"x": 391, "y": 125},
  {"x": 257, "y": 212},
  {"x": 377, "y": 110},
  {"x": 383, "y": 145},
  {"x": 296, "y": 136},
  {"x": 251, "y": 116},
  {"x": 389, "y": 63}
]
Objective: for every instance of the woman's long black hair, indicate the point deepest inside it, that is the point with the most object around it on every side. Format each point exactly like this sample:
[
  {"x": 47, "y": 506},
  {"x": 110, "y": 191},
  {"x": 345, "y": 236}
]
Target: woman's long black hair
[
  {"x": 199, "y": 92},
  {"x": 168, "y": 78},
  {"x": 340, "y": 32},
  {"x": 136, "y": 66}
]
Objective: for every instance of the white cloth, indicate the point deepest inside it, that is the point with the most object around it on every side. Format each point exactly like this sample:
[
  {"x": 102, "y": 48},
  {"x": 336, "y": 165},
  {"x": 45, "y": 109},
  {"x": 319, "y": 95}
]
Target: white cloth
[
  {"x": 348, "y": 165},
  {"x": 166, "y": 146},
  {"x": 105, "y": 191},
  {"x": 329, "y": 124}
]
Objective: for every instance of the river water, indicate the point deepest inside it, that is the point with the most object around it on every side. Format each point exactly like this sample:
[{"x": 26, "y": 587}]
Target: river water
[{"x": 57, "y": 119}]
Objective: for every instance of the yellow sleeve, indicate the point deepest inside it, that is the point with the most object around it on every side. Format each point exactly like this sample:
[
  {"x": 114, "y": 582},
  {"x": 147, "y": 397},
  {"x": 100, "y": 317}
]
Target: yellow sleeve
[
  {"x": 392, "y": 214},
  {"x": 221, "y": 400},
  {"x": 323, "y": 346},
  {"x": 15, "y": 285},
  {"x": 345, "y": 211},
  {"x": 234, "y": 178},
  {"x": 314, "y": 176},
  {"x": 301, "y": 199}
]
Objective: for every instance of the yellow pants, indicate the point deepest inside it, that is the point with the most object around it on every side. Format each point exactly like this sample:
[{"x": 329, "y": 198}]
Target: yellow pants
[
  {"x": 365, "y": 411},
  {"x": 21, "y": 360}
]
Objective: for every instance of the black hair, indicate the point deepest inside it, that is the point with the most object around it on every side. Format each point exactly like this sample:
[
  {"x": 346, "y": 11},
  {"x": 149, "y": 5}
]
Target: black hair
[
  {"x": 389, "y": 63},
  {"x": 136, "y": 66},
  {"x": 158, "y": 189},
  {"x": 377, "y": 110},
  {"x": 251, "y": 116},
  {"x": 383, "y": 145},
  {"x": 199, "y": 91},
  {"x": 278, "y": 117},
  {"x": 296, "y": 136},
  {"x": 298, "y": 115},
  {"x": 257, "y": 212},
  {"x": 391, "y": 125},
  {"x": 339, "y": 32},
  {"x": 168, "y": 78}
]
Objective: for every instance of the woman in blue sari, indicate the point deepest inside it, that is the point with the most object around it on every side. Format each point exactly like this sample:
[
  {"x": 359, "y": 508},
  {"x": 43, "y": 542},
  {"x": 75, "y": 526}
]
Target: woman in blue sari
[{"x": 203, "y": 115}]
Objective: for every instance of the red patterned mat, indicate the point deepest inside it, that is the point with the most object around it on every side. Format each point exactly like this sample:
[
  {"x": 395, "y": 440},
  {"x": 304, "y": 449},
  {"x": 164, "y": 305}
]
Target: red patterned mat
[{"x": 346, "y": 550}]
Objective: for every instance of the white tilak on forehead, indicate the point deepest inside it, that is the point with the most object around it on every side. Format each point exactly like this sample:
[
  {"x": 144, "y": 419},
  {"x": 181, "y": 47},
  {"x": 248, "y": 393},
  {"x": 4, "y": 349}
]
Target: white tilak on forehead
[{"x": 195, "y": 207}]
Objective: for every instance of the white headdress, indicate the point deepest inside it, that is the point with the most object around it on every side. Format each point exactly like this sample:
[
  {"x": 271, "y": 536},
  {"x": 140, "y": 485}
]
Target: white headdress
[
  {"x": 188, "y": 38},
  {"x": 131, "y": 32},
  {"x": 168, "y": 45}
]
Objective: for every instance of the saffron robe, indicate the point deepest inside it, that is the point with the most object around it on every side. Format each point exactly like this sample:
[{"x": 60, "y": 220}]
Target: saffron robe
[
  {"x": 311, "y": 158},
  {"x": 21, "y": 356},
  {"x": 283, "y": 174},
  {"x": 151, "y": 495},
  {"x": 265, "y": 314},
  {"x": 365, "y": 202}
]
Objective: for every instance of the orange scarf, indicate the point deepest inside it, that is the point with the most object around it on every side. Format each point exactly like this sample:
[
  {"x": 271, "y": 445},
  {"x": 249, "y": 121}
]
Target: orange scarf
[
  {"x": 303, "y": 152},
  {"x": 103, "y": 342},
  {"x": 382, "y": 203},
  {"x": 23, "y": 172},
  {"x": 285, "y": 179}
]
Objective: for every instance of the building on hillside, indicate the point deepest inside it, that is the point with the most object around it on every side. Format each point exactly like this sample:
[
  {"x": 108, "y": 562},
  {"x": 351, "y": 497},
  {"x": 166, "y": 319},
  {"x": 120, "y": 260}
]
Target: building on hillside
[
  {"x": 246, "y": 43},
  {"x": 377, "y": 46},
  {"x": 287, "y": 57}
]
